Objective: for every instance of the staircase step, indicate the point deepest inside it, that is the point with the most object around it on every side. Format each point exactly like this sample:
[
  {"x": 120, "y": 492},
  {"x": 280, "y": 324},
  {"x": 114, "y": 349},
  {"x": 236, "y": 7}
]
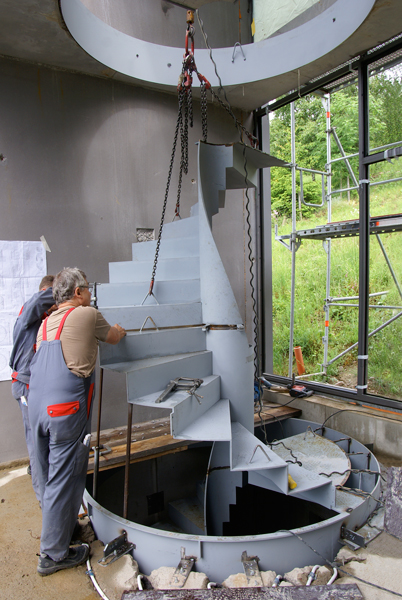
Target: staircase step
[
  {"x": 153, "y": 374},
  {"x": 209, "y": 389},
  {"x": 248, "y": 453},
  {"x": 189, "y": 410},
  {"x": 180, "y": 229},
  {"x": 313, "y": 487},
  {"x": 168, "y": 269},
  {"x": 188, "y": 515},
  {"x": 310, "y": 486},
  {"x": 164, "y": 315},
  {"x": 213, "y": 425},
  {"x": 133, "y": 294},
  {"x": 147, "y": 344},
  {"x": 169, "y": 248}
]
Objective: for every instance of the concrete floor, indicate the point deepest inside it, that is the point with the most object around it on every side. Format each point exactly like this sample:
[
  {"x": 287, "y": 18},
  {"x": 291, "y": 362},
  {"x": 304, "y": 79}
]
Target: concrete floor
[{"x": 380, "y": 563}]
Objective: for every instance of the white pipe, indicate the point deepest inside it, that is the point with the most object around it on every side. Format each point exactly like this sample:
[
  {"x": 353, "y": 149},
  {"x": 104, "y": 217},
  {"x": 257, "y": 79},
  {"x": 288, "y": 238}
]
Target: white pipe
[
  {"x": 95, "y": 583},
  {"x": 277, "y": 581},
  {"x": 139, "y": 582},
  {"x": 312, "y": 575},
  {"x": 334, "y": 576}
]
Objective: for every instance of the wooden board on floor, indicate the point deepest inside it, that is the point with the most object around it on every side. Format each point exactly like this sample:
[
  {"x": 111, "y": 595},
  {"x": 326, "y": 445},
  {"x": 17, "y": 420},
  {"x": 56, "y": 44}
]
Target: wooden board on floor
[
  {"x": 152, "y": 439},
  {"x": 275, "y": 412}
]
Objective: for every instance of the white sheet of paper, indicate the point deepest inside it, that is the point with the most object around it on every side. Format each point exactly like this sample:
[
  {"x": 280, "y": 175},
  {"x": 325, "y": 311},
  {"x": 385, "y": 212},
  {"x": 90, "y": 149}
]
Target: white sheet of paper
[{"x": 22, "y": 266}]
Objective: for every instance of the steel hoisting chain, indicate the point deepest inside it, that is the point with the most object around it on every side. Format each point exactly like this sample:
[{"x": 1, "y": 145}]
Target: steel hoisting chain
[
  {"x": 158, "y": 243},
  {"x": 184, "y": 120}
]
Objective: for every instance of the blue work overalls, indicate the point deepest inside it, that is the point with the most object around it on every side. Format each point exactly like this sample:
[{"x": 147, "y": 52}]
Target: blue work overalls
[
  {"x": 60, "y": 415},
  {"x": 24, "y": 345}
]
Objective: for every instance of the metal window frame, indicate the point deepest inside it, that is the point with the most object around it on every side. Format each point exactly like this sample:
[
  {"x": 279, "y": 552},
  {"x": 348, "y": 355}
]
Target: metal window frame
[{"x": 362, "y": 65}]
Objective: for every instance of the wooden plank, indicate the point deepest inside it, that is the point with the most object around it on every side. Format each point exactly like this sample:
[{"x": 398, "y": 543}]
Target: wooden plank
[
  {"x": 141, "y": 450},
  {"x": 275, "y": 412},
  {"x": 152, "y": 439},
  {"x": 333, "y": 592}
]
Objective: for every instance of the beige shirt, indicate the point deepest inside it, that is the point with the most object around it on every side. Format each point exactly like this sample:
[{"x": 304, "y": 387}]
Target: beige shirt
[{"x": 82, "y": 329}]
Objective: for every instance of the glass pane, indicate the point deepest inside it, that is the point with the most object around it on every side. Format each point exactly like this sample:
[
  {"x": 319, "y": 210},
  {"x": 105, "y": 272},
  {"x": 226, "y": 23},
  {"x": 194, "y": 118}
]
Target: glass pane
[
  {"x": 385, "y": 314},
  {"x": 327, "y": 259}
]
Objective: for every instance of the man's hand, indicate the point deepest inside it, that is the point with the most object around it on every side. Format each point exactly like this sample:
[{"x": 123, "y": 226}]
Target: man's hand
[{"x": 116, "y": 333}]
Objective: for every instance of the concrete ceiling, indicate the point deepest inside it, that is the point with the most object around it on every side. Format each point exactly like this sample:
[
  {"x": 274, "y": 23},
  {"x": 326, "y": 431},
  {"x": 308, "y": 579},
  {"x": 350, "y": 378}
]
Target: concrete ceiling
[{"x": 34, "y": 31}]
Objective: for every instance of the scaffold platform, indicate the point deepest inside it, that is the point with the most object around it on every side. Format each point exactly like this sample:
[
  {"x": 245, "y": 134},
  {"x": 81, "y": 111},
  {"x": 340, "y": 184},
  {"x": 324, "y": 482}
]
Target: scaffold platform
[{"x": 341, "y": 229}]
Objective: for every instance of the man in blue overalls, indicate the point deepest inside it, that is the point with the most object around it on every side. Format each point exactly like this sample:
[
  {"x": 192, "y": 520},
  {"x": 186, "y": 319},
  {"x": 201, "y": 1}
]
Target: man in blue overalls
[
  {"x": 60, "y": 403},
  {"x": 24, "y": 345}
]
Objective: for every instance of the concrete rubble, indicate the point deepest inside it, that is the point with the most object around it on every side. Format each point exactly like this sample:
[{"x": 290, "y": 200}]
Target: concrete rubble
[{"x": 161, "y": 579}]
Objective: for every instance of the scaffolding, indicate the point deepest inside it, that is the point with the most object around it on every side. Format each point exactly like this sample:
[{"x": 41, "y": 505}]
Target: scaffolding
[{"x": 331, "y": 230}]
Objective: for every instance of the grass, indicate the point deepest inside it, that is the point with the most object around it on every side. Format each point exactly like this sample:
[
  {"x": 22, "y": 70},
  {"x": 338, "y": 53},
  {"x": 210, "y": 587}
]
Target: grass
[{"x": 384, "y": 365}]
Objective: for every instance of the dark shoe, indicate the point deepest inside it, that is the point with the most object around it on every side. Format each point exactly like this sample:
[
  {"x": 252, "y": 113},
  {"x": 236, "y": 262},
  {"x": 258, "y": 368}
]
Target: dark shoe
[
  {"x": 76, "y": 556},
  {"x": 29, "y": 470}
]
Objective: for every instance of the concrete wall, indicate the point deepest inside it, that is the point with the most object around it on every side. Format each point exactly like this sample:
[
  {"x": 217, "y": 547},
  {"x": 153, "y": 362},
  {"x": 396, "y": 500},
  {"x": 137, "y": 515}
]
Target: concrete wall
[
  {"x": 87, "y": 163},
  {"x": 379, "y": 427}
]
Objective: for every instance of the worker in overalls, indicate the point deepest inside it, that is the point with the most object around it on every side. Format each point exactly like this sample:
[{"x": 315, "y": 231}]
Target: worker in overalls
[
  {"x": 24, "y": 345},
  {"x": 61, "y": 394}
]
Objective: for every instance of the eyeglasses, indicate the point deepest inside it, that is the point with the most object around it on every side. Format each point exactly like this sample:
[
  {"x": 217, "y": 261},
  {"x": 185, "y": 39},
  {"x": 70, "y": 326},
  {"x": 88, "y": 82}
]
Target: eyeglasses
[{"x": 88, "y": 287}]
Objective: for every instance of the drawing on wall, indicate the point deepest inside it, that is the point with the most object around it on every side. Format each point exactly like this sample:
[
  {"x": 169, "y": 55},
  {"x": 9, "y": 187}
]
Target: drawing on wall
[{"x": 22, "y": 266}]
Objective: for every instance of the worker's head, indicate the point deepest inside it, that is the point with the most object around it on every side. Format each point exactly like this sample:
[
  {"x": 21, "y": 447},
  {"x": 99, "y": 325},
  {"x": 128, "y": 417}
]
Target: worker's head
[
  {"x": 46, "y": 282},
  {"x": 71, "y": 282}
]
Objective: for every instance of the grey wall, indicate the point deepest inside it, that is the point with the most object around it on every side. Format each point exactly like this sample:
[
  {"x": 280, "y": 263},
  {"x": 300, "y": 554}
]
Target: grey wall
[{"x": 87, "y": 162}]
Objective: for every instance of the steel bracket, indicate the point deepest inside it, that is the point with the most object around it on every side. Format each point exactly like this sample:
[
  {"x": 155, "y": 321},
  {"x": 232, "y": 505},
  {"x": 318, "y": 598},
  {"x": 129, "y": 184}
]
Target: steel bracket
[
  {"x": 104, "y": 449},
  {"x": 251, "y": 570},
  {"x": 116, "y": 549},
  {"x": 352, "y": 538},
  {"x": 183, "y": 570}
]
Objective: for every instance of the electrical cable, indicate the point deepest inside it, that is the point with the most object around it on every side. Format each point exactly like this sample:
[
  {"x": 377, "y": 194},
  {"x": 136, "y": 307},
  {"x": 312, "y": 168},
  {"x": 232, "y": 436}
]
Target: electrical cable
[
  {"x": 253, "y": 140},
  {"x": 363, "y": 412},
  {"x": 93, "y": 579}
]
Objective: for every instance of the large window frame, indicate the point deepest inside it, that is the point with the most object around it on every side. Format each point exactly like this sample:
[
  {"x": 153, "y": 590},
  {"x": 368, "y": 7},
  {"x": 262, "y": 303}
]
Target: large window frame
[{"x": 385, "y": 55}]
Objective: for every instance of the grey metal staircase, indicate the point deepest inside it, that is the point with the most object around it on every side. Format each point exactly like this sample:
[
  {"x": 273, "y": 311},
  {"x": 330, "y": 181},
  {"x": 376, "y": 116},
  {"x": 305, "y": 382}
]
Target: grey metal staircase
[{"x": 194, "y": 329}]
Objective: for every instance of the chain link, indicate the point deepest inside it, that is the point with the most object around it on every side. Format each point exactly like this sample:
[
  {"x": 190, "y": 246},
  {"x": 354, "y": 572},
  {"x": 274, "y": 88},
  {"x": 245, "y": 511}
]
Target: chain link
[
  {"x": 204, "y": 119},
  {"x": 178, "y": 126},
  {"x": 252, "y": 139}
]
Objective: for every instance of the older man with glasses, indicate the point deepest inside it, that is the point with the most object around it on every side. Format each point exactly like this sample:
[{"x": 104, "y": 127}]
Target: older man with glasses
[{"x": 60, "y": 404}]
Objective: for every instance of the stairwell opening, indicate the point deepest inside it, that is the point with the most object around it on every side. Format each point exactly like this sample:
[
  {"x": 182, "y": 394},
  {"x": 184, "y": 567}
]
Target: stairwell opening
[
  {"x": 259, "y": 511},
  {"x": 167, "y": 493}
]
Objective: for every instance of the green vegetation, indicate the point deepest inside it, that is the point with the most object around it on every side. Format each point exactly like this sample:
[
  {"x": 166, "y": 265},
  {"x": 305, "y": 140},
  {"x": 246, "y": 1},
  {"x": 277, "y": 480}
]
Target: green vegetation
[{"x": 311, "y": 258}]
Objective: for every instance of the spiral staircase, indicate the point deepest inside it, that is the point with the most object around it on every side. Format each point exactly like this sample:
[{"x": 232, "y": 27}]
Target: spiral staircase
[{"x": 197, "y": 332}]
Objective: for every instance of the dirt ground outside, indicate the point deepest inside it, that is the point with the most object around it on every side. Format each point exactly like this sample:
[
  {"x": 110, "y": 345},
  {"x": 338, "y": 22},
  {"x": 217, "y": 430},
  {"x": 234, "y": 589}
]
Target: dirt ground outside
[{"x": 21, "y": 522}]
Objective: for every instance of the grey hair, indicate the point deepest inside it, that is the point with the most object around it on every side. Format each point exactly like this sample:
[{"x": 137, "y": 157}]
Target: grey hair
[{"x": 65, "y": 283}]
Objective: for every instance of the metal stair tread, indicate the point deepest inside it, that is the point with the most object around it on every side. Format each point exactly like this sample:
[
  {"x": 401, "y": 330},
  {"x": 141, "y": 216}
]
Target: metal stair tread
[
  {"x": 175, "y": 229},
  {"x": 169, "y": 248},
  {"x": 249, "y": 453},
  {"x": 188, "y": 514},
  {"x": 138, "y": 365},
  {"x": 149, "y": 261},
  {"x": 173, "y": 399},
  {"x": 128, "y": 271},
  {"x": 135, "y": 292},
  {"x": 212, "y": 426},
  {"x": 306, "y": 480}
]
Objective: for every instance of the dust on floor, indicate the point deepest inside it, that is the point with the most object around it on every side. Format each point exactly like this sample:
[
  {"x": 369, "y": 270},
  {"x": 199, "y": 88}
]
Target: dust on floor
[{"x": 20, "y": 527}]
